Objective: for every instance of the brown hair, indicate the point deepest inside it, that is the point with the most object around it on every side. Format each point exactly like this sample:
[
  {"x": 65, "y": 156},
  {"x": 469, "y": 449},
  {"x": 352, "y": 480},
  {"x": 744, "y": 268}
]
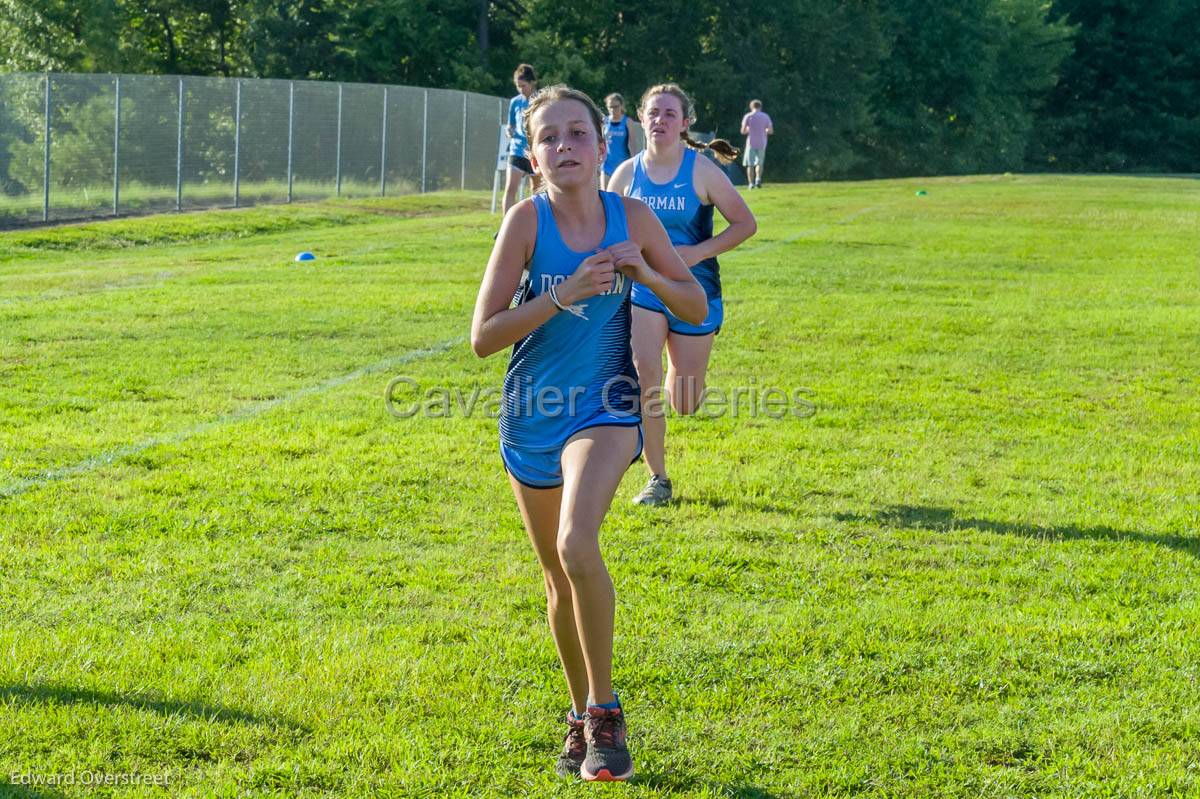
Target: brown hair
[
  {"x": 615, "y": 96},
  {"x": 525, "y": 72},
  {"x": 725, "y": 152},
  {"x": 552, "y": 94},
  {"x": 756, "y": 104}
]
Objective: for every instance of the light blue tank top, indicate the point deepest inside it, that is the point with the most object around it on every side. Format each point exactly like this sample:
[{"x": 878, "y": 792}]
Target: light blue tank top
[
  {"x": 571, "y": 373},
  {"x": 517, "y": 107},
  {"x": 687, "y": 221},
  {"x": 617, "y": 136}
]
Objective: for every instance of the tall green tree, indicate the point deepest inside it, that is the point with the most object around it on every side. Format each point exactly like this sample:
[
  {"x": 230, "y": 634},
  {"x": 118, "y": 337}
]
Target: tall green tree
[
  {"x": 812, "y": 63},
  {"x": 809, "y": 61},
  {"x": 1129, "y": 97},
  {"x": 962, "y": 85},
  {"x": 857, "y": 88},
  {"x": 191, "y": 37},
  {"x": 63, "y": 35}
]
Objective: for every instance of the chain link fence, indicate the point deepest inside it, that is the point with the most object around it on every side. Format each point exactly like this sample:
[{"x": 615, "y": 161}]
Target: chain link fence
[{"x": 84, "y": 146}]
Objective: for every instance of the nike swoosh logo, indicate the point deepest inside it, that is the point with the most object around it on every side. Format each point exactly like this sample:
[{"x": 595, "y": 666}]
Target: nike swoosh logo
[{"x": 680, "y": 185}]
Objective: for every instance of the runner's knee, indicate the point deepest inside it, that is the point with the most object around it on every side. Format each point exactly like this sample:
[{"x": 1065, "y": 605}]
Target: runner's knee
[{"x": 579, "y": 552}]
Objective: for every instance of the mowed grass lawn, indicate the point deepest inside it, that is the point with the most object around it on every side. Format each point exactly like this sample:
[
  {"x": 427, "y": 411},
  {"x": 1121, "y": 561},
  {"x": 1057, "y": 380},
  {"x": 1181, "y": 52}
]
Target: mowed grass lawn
[{"x": 972, "y": 571}]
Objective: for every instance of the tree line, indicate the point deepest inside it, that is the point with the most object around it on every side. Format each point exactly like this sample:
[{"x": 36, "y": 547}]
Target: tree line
[{"x": 857, "y": 88}]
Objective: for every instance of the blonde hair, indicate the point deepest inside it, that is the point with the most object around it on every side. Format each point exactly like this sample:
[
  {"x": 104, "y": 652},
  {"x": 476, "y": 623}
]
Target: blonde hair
[{"x": 725, "y": 152}]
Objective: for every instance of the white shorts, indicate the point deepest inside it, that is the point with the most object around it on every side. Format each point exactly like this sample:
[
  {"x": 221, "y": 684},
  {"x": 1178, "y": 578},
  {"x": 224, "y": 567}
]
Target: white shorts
[{"x": 754, "y": 156}]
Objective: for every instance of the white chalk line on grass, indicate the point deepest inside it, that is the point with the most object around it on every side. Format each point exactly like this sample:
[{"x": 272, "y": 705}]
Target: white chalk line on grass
[
  {"x": 158, "y": 278},
  {"x": 16, "y": 487},
  {"x": 141, "y": 281},
  {"x": 144, "y": 281},
  {"x": 770, "y": 245},
  {"x": 131, "y": 282},
  {"x": 94, "y": 462}
]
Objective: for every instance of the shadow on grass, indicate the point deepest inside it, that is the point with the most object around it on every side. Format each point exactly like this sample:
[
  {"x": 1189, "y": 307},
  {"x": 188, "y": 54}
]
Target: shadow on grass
[
  {"x": 944, "y": 520},
  {"x": 677, "y": 781},
  {"x": 718, "y": 503},
  {"x": 64, "y": 695}
]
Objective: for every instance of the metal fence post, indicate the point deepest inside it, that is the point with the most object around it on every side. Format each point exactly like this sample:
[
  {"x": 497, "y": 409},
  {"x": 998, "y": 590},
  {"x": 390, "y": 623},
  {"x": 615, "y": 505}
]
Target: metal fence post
[
  {"x": 338, "y": 166},
  {"x": 424, "y": 139},
  {"x": 46, "y": 158},
  {"x": 291, "y": 118},
  {"x": 179, "y": 154},
  {"x": 383, "y": 148},
  {"x": 237, "y": 144},
  {"x": 429, "y": 181},
  {"x": 117, "y": 148},
  {"x": 496, "y": 167}
]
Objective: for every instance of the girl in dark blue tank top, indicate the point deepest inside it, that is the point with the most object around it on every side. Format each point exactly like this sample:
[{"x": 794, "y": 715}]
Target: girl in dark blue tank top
[
  {"x": 683, "y": 190},
  {"x": 570, "y": 411}
]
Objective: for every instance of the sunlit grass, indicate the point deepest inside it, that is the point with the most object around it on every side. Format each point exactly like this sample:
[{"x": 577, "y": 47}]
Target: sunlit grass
[{"x": 972, "y": 572}]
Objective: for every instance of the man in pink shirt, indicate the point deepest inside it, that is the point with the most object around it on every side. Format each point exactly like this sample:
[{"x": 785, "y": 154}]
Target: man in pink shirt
[{"x": 756, "y": 127}]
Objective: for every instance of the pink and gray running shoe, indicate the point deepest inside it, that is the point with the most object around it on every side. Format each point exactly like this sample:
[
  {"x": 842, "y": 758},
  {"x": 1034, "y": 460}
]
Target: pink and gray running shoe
[
  {"x": 607, "y": 755},
  {"x": 574, "y": 748}
]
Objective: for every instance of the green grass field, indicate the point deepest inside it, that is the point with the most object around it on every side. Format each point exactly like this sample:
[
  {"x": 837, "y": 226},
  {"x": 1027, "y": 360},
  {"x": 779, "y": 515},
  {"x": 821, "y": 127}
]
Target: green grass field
[
  {"x": 139, "y": 198},
  {"x": 972, "y": 572}
]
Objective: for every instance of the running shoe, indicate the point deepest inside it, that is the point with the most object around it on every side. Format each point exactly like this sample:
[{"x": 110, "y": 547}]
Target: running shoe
[
  {"x": 656, "y": 492},
  {"x": 607, "y": 755},
  {"x": 574, "y": 748}
]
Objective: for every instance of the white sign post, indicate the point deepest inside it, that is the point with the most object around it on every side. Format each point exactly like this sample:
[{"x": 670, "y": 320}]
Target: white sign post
[
  {"x": 502, "y": 166},
  {"x": 501, "y": 162}
]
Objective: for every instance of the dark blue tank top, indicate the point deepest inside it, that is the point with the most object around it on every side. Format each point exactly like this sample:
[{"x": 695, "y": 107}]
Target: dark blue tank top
[
  {"x": 687, "y": 221},
  {"x": 571, "y": 373}
]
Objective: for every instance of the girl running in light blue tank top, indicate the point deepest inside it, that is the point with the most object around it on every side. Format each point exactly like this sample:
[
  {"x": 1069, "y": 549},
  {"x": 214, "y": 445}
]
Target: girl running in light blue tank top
[
  {"x": 519, "y": 167},
  {"x": 570, "y": 412},
  {"x": 688, "y": 222},
  {"x": 584, "y": 357},
  {"x": 618, "y": 132},
  {"x": 682, "y": 190}
]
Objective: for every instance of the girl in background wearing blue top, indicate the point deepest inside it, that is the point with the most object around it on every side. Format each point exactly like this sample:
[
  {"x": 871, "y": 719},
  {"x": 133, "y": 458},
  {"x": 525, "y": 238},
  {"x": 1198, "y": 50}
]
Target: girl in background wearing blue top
[
  {"x": 682, "y": 189},
  {"x": 570, "y": 416},
  {"x": 616, "y": 137},
  {"x": 518, "y": 157}
]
